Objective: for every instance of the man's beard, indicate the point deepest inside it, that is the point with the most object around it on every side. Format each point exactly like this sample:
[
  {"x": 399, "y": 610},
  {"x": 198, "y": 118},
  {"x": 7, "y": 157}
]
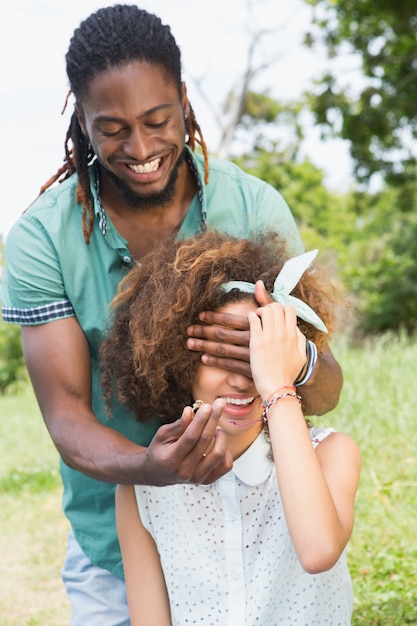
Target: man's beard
[{"x": 144, "y": 202}]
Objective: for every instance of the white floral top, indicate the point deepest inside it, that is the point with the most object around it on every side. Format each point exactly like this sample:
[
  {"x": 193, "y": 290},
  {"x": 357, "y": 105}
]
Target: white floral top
[{"x": 227, "y": 555}]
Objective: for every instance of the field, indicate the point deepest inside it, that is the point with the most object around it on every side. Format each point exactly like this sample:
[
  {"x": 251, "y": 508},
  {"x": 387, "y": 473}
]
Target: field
[
  {"x": 377, "y": 408},
  {"x": 32, "y": 527}
]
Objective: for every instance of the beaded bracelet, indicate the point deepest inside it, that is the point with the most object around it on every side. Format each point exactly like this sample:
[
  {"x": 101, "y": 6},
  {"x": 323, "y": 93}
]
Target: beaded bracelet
[{"x": 268, "y": 403}]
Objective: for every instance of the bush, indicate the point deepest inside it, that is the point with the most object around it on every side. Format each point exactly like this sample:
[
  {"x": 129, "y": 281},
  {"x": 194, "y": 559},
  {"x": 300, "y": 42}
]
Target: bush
[{"x": 12, "y": 365}]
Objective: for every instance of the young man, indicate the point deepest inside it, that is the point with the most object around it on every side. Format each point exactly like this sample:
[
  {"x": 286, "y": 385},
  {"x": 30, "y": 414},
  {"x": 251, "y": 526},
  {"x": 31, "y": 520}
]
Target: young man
[{"x": 130, "y": 180}]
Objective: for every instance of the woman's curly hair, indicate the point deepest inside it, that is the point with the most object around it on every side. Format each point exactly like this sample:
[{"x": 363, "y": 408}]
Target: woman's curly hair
[{"x": 145, "y": 361}]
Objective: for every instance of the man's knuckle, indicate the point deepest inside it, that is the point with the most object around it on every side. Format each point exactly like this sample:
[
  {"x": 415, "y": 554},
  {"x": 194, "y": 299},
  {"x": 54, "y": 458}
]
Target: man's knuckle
[
  {"x": 220, "y": 333},
  {"x": 205, "y": 440},
  {"x": 222, "y": 350},
  {"x": 189, "y": 440},
  {"x": 184, "y": 475}
]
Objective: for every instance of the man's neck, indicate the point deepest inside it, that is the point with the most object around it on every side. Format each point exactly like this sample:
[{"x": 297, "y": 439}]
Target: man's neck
[{"x": 145, "y": 228}]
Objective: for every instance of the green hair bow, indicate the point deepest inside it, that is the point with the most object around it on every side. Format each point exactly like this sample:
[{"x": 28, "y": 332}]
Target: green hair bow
[{"x": 288, "y": 277}]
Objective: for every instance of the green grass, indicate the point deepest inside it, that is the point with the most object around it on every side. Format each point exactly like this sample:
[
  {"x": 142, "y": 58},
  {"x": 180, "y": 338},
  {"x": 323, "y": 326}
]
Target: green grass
[
  {"x": 32, "y": 527},
  {"x": 377, "y": 408}
]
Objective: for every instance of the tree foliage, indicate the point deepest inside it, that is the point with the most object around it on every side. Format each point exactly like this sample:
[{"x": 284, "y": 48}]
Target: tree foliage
[
  {"x": 381, "y": 270},
  {"x": 362, "y": 237},
  {"x": 380, "y": 121}
]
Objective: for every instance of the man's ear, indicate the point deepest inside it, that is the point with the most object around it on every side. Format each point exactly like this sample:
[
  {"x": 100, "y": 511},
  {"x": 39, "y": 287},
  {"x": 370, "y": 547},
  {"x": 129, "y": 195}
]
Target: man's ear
[
  {"x": 81, "y": 120},
  {"x": 184, "y": 100}
]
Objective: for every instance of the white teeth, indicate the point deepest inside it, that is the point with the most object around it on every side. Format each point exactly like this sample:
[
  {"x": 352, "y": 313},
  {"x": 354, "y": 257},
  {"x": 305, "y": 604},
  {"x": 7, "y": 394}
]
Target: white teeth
[
  {"x": 151, "y": 166},
  {"x": 239, "y": 401}
]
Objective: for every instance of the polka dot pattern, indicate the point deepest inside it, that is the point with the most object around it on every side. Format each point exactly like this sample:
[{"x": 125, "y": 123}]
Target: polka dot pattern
[{"x": 227, "y": 555}]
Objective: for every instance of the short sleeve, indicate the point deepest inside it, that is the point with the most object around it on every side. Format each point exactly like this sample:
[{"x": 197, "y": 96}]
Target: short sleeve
[
  {"x": 274, "y": 214},
  {"x": 317, "y": 435},
  {"x": 33, "y": 290}
]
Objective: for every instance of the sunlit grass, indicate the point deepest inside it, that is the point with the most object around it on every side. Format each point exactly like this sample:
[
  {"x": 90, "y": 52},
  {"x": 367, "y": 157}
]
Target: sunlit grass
[
  {"x": 378, "y": 409},
  {"x": 32, "y": 526}
]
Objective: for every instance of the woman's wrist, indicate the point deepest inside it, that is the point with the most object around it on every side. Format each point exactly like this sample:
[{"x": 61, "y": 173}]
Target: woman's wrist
[
  {"x": 278, "y": 390},
  {"x": 285, "y": 392}
]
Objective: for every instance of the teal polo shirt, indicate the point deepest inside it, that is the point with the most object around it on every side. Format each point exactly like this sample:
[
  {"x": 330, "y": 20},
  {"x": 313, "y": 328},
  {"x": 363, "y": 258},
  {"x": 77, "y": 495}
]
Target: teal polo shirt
[{"x": 52, "y": 274}]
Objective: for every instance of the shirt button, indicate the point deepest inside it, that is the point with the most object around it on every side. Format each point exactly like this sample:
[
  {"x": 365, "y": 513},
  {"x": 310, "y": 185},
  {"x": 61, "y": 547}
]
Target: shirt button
[{"x": 127, "y": 259}]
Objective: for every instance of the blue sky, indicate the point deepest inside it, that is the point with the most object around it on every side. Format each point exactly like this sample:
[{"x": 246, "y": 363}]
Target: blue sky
[{"x": 213, "y": 36}]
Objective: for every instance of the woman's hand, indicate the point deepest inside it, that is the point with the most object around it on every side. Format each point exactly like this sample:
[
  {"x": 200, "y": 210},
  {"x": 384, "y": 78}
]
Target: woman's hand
[{"x": 277, "y": 347}]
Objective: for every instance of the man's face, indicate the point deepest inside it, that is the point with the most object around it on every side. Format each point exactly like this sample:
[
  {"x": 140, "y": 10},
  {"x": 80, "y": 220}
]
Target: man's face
[{"x": 134, "y": 118}]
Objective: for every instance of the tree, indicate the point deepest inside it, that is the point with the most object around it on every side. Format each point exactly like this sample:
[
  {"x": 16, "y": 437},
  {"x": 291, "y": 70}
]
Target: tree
[
  {"x": 380, "y": 121},
  {"x": 378, "y": 115},
  {"x": 380, "y": 268},
  {"x": 365, "y": 237},
  {"x": 245, "y": 106}
]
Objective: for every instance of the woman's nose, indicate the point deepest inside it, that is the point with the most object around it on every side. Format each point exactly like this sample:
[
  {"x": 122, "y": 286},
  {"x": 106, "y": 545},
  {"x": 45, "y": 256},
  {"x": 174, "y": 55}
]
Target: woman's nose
[{"x": 240, "y": 382}]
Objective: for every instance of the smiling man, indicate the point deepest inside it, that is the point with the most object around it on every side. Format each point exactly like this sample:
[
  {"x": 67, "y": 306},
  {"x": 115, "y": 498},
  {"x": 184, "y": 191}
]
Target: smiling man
[
  {"x": 130, "y": 180},
  {"x": 138, "y": 137}
]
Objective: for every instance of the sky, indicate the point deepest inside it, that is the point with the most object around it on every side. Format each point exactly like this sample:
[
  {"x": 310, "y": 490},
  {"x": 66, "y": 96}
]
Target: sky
[{"x": 213, "y": 37}]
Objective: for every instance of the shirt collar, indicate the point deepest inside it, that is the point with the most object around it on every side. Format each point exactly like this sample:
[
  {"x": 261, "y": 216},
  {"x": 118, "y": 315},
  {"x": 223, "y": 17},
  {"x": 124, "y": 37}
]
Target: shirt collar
[
  {"x": 255, "y": 465},
  {"x": 197, "y": 168}
]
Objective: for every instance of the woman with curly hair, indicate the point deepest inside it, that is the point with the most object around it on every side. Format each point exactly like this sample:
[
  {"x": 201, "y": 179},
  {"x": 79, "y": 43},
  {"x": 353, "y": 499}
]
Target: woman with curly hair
[{"x": 264, "y": 544}]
